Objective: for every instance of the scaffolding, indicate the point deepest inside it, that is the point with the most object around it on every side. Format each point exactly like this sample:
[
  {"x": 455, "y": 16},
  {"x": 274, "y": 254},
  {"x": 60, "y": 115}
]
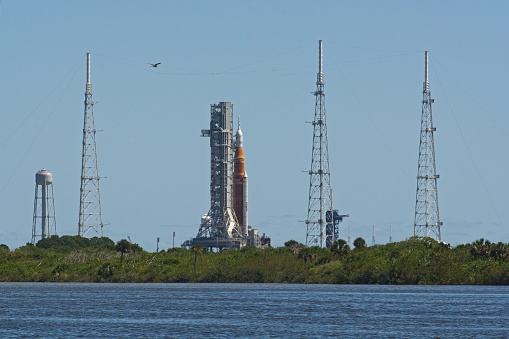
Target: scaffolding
[
  {"x": 427, "y": 220},
  {"x": 90, "y": 217}
]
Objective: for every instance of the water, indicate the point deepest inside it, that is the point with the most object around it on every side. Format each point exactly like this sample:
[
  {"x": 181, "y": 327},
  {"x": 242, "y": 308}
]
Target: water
[{"x": 70, "y": 310}]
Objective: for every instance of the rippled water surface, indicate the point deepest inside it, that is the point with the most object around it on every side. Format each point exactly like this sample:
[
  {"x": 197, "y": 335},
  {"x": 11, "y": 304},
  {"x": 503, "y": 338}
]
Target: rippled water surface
[{"x": 62, "y": 310}]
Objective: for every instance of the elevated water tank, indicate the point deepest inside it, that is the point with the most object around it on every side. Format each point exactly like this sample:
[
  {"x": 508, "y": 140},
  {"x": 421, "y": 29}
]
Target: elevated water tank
[{"x": 43, "y": 177}]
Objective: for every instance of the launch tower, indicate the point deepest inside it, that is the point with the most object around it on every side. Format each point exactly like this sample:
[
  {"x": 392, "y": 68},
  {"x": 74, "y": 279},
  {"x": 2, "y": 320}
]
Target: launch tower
[
  {"x": 220, "y": 228},
  {"x": 322, "y": 220},
  {"x": 44, "y": 221},
  {"x": 226, "y": 223},
  {"x": 90, "y": 217},
  {"x": 427, "y": 220}
]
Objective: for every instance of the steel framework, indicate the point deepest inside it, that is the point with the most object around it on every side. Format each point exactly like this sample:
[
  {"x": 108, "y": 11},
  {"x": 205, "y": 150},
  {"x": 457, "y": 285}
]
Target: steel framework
[
  {"x": 427, "y": 219},
  {"x": 220, "y": 226},
  {"x": 320, "y": 229},
  {"x": 90, "y": 217}
]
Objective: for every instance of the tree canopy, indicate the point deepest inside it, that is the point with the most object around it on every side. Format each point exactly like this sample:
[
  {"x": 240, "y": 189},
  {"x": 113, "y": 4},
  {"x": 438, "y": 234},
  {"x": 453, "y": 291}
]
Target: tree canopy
[
  {"x": 123, "y": 246},
  {"x": 359, "y": 243},
  {"x": 413, "y": 261}
]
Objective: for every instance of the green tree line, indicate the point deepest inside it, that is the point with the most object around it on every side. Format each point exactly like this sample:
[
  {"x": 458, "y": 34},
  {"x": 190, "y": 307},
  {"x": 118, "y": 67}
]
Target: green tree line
[{"x": 413, "y": 261}]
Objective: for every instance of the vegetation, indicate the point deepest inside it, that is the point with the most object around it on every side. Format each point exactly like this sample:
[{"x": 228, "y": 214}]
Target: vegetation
[
  {"x": 124, "y": 247},
  {"x": 414, "y": 261}
]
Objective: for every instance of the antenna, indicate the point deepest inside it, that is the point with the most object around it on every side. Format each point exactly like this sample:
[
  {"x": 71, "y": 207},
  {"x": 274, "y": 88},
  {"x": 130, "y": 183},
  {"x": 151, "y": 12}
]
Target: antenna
[
  {"x": 426, "y": 67},
  {"x": 390, "y": 234},
  {"x": 320, "y": 58},
  {"x": 88, "y": 72},
  {"x": 427, "y": 219},
  {"x": 373, "y": 240},
  {"x": 320, "y": 227},
  {"x": 90, "y": 217}
]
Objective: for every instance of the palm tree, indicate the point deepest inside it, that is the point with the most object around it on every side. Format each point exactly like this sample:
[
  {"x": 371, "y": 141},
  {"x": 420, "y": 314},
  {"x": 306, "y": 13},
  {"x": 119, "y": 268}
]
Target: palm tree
[
  {"x": 340, "y": 247},
  {"x": 123, "y": 246},
  {"x": 359, "y": 243}
]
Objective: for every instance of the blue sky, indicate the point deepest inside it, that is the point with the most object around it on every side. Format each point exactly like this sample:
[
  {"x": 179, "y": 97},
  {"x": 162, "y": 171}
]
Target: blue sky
[{"x": 261, "y": 56}]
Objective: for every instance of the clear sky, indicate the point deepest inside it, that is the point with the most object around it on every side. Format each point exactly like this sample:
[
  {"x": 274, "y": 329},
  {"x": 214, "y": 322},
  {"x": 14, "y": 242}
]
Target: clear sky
[{"x": 263, "y": 57}]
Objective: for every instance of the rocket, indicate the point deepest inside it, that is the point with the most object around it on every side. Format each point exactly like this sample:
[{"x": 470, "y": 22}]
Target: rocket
[{"x": 240, "y": 184}]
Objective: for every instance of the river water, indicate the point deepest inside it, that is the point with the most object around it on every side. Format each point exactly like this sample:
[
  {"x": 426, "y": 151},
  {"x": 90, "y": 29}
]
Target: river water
[{"x": 76, "y": 310}]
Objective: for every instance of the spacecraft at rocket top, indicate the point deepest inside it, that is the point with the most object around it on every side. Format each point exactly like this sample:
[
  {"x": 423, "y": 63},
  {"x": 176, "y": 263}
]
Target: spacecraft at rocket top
[{"x": 240, "y": 183}]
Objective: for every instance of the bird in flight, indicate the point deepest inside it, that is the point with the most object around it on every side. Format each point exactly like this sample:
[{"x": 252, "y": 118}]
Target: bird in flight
[{"x": 155, "y": 65}]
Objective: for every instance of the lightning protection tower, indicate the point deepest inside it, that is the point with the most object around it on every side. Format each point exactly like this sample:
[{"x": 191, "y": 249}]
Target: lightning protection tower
[
  {"x": 44, "y": 221},
  {"x": 427, "y": 220},
  {"x": 90, "y": 217},
  {"x": 320, "y": 229}
]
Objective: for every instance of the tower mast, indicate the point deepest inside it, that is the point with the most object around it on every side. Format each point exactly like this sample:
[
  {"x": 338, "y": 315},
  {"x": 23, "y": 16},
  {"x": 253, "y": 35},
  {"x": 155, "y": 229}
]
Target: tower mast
[
  {"x": 90, "y": 198},
  {"x": 427, "y": 220},
  {"x": 320, "y": 229}
]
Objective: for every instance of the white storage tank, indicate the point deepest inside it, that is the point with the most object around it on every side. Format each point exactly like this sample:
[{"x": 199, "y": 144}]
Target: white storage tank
[{"x": 43, "y": 177}]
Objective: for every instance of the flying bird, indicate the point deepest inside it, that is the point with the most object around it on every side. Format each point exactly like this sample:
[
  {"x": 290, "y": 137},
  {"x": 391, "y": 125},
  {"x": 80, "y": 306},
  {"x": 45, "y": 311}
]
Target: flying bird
[{"x": 155, "y": 65}]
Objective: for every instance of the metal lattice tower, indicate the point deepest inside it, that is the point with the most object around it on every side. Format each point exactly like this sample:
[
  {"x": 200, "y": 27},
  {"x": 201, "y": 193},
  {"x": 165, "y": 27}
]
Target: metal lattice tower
[
  {"x": 320, "y": 229},
  {"x": 90, "y": 198},
  {"x": 427, "y": 220},
  {"x": 44, "y": 220},
  {"x": 220, "y": 224}
]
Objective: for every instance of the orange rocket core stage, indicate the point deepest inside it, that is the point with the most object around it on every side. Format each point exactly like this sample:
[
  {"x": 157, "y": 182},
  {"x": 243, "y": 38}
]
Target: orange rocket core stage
[{"x": 238, "y": 185}]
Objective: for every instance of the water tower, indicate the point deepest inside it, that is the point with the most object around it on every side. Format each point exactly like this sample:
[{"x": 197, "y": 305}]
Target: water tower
[{"x": 44, "y": 221}]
